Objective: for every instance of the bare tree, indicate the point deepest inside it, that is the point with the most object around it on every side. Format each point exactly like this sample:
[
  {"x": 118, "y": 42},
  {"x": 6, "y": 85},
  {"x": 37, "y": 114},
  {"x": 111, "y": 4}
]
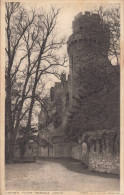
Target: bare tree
[
  {"x": 31, "y": 53},
  {"x": 17, "y": 22},
  {"x": 111, "y": 17},
  {"x": 44, "y": 58}
]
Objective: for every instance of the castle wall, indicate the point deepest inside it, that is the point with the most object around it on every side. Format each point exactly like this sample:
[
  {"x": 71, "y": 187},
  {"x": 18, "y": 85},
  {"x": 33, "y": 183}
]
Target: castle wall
[
  {"x": 61, "y": 150},
  {"x": 104, "y": 155},
  {"x": 60, "y": 96},
  {"x": 57, "y": 105},
  {"x": 91, "y": 74},
  {"x": 101, "y": 154},
  {"x": 43, "y": 151},
  {"x": 88, "y": 56},
  {"x": 86, "y": 48},
  {"x": 76, "y": 152},
  {"x": 105, "y": 163},
  {"x": 31, "y": 150},
  {"x": 94, "y": 78}
]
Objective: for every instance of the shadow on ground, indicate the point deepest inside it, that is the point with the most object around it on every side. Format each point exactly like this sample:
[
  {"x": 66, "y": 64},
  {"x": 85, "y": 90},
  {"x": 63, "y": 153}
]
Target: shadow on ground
[{"x": 77, "y": 166}]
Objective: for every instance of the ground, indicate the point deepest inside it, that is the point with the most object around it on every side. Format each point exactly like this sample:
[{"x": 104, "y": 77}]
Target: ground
[{"x": 57, "y": 175}]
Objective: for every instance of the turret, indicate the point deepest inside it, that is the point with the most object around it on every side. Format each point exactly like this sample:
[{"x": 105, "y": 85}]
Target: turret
[
  {"x": 91, "y": 32},
  {"x": 87, "y": 46}
]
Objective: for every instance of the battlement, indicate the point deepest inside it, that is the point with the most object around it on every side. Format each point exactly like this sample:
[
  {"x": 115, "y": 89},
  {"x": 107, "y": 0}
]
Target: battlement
[
  {"x": 89, "y": 29},
  {"x": 84, "y": 20},
  {"x": 63, "y": 77}
]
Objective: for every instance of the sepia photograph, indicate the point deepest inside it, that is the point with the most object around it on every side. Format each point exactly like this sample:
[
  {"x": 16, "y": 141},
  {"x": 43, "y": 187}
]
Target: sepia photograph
[{"x": 62, "y": 96}]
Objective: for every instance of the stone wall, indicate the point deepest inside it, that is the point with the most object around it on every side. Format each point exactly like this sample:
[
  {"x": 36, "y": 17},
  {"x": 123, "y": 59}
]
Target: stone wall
[
  {"x": 96, "y": 81},
  {"x": 56, "y": 105},
  {"x": 86, "y": 47},
  {"x": 77, "y": 152},
  {"x": 43, "y": 151},
  {"x": 106, "y": 163},
  {"x": 30, "y": 151},
  {"x": 57, "y": 150},
  {"x": 16, "y": 151},
  {"x": 62, "y": 150},
  {"x": 100, "y": 151}
]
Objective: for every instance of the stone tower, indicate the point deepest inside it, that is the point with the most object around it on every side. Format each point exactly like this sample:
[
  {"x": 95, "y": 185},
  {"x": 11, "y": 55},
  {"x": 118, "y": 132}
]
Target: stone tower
[{"x": 87, "y": 46}]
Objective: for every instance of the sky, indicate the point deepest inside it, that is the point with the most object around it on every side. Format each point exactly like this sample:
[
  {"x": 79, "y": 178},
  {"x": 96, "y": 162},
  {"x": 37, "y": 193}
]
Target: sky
[{"x": 69, "y": 9}]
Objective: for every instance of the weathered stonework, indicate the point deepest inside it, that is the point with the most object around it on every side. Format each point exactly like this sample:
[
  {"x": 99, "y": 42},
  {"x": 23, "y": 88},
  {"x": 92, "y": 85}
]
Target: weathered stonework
[
  {"x": 57, "y": 104},
  {"x": 86, "y": 46},
  {"x": 102, "y": 154},
  {"x": 76, "y": 152},
  {"x": 103, "y": 151},
  {"x": 88, "y": 53},
  {"x": 106, "y": 163}
]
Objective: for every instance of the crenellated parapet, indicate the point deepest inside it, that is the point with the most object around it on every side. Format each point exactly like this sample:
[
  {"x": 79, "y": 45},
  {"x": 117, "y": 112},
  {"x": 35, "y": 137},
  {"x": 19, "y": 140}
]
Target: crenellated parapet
[
  {"x": 87, "y": 47},
  {"x": 91, "y": 32}
]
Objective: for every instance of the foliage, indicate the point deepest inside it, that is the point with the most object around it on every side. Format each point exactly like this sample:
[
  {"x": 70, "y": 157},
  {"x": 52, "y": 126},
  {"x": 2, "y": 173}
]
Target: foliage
[
  {"x": 111, "y": 16},
  {"x": 93, "y": 103}
]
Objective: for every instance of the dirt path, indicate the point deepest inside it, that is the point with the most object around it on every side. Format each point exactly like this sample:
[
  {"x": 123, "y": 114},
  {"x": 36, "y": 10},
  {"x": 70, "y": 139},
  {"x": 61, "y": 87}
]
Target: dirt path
[{"x": 61, "y": 175}]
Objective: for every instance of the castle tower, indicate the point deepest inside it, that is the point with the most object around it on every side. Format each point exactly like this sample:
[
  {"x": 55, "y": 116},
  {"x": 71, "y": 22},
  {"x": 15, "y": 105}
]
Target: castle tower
[
  {"x": 87, "y": 46},
  {"x": 63, "y": 78}
]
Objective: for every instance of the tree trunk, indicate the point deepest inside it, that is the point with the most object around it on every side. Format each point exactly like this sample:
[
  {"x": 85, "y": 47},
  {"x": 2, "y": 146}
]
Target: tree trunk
[
  {"x": 31, "y": 109},
  {"x": 21, "y": 106},
  {"x": 9, "y": 131}
]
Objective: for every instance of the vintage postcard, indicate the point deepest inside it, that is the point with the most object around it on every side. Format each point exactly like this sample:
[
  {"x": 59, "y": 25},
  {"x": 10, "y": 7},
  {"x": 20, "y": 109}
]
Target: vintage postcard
[{"x": 61, "y": 97}]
